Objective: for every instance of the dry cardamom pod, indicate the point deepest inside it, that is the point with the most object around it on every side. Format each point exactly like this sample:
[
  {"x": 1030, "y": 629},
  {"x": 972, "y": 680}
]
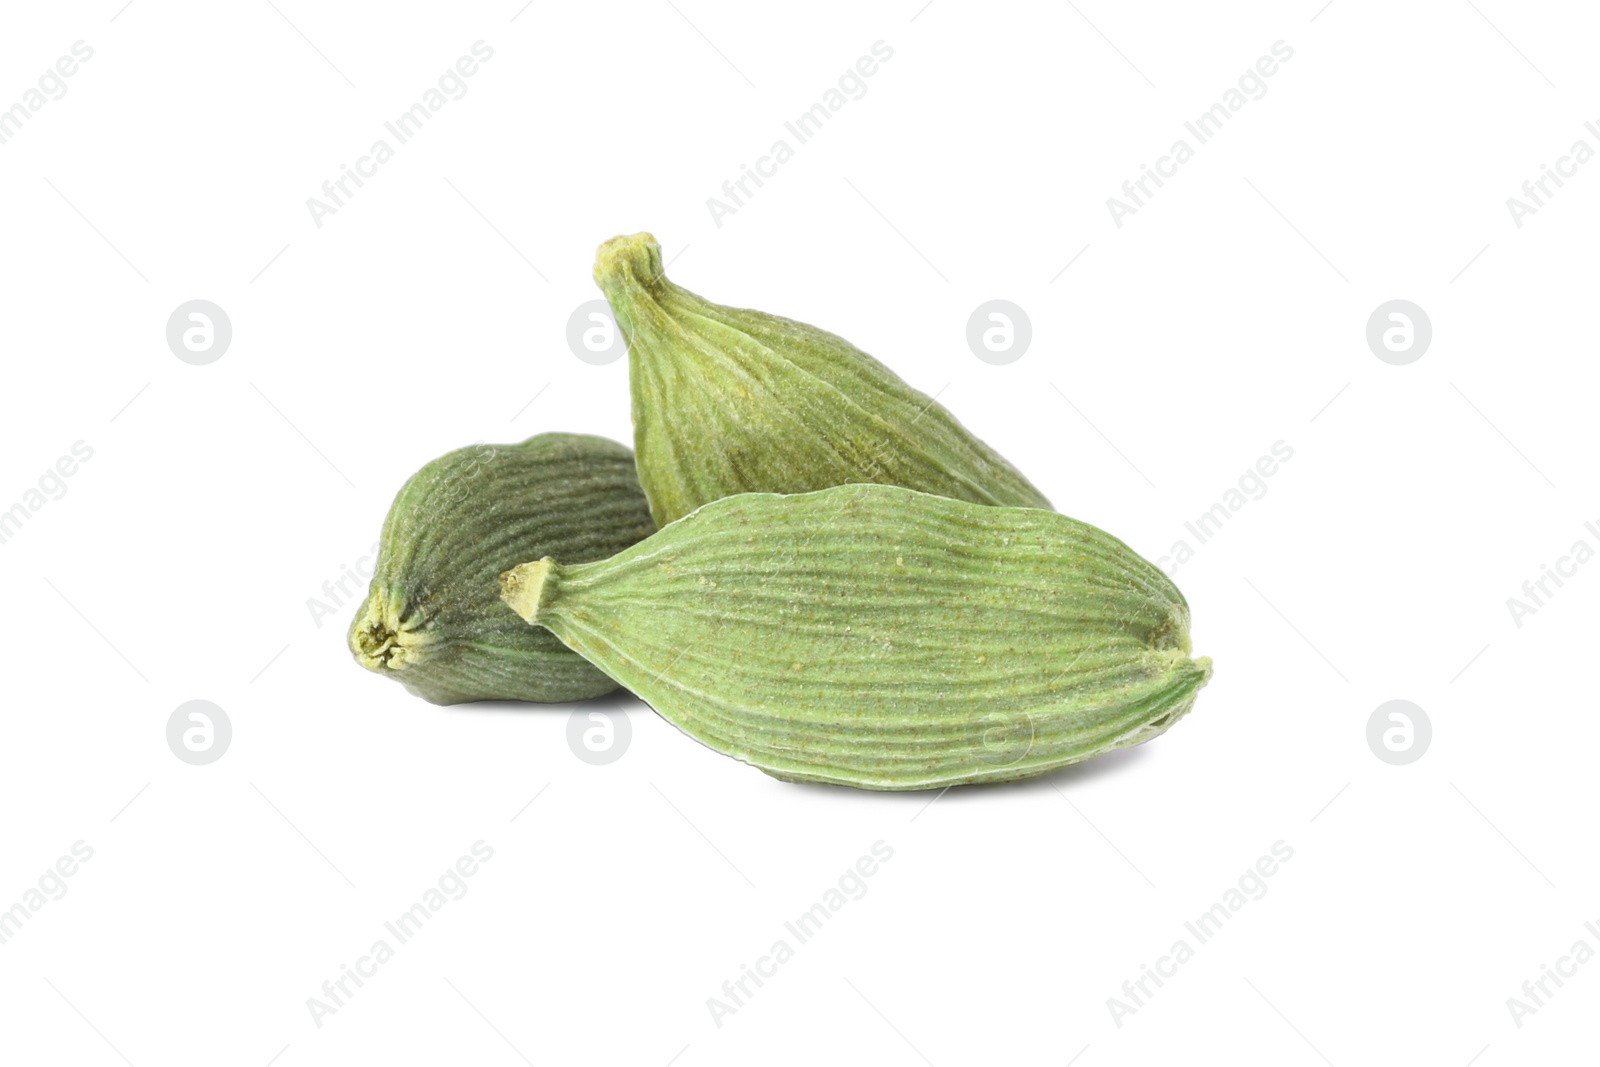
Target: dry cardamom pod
[
  {"x": 728, "y": 401},
  {"x": 877, "y": 637},
  {"x": 432, "y": 620}
]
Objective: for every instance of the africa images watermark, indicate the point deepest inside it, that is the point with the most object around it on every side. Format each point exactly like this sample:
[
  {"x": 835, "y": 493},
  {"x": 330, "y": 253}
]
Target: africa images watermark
[
  {"x": 806, "y": 126},
  {"x": 1205, "y": 126},
  {"x": 1252, "y": 486},
  {"x": 1536, "y": 991},
  {"x": 403, "y": 128},
  {"x": 1137, "y": 992},
  {"x": 1537, "y": 190},
  {"x": 337, "y": 992},
  {"x": 348, "y": 586},
  {"x": 51, "y": 885},
  {"x": 52, "y": 485},
  {"x": 1566, "y": 566},
  {"x": 851, "y": 885},
  {"x": 52, "y": 85}
]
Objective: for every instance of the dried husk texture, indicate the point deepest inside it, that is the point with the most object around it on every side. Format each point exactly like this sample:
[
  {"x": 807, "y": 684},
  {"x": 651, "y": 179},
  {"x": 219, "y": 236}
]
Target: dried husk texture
[
  {"x": 729, "y": 401},
  {"x": 432, "y": 619},
  {"x": 878, "y": 637}
]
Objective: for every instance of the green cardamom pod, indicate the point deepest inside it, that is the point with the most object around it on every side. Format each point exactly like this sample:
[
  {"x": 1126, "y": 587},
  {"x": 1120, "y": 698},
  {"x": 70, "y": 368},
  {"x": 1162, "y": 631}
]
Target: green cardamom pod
[
  {"x": 432, "y": 619},
  {"x": 877, "y": 637},
  {"x": 728, "y": 401}
]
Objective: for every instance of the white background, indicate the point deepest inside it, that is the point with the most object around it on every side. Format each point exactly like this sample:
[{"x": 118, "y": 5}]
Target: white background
[{"x": 1226, "y": 315}]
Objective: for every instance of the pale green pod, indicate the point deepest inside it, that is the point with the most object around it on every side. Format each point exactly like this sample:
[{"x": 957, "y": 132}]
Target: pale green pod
[
  {"x": 728, "y": 401},
  {"x": 876, "y": 637},
  {"x": 432, "y": 618}
]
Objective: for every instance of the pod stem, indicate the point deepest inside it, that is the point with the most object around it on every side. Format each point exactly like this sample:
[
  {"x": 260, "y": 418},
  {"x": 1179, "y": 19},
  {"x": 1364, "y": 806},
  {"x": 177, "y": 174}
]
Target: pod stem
[
  {"x": 634, "y": 259},
  {"x": 529, "y": 587},
  {"x": 630, "y": 273}
]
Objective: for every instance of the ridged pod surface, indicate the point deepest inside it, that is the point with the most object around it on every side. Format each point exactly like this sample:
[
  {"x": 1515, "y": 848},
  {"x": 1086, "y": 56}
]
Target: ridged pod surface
[
  {"x": 877, "y": 637},
  {"x": 728, "y": 401},
  {"x": 432, "y": 619}
]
